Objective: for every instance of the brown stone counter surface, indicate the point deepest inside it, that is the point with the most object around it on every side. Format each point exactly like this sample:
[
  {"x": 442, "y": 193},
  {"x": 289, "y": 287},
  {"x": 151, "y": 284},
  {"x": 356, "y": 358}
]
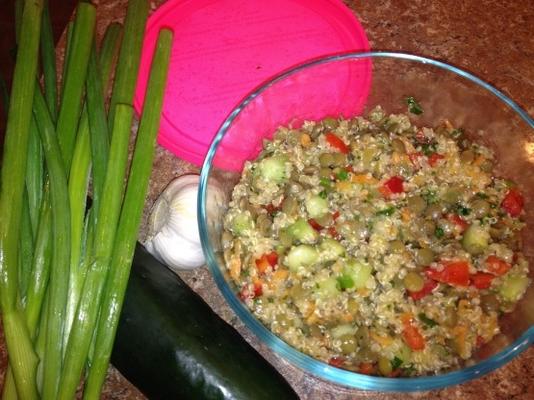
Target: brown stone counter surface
[{"x": 492, "y": 39}]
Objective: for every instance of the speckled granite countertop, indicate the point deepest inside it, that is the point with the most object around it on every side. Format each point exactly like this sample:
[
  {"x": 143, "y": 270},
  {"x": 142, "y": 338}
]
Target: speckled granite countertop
[{"x": 494, "y": 40}]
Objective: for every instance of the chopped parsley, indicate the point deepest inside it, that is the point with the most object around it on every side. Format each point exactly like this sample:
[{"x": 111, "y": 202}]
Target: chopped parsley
[
  {"x": 457, "y": 133},
  {"x": 413, "y": 106},
  {"x": 430, "y": 196},
  {"x": 439, "y": 232},
  {"x": 323, "y": 194},
  {"x": 386, "y": 211},
  {"x": 428, "y": 148},
  {"x": 427, "y": 321},
  {"x": 396, "y": 363},
  {"x": 462, "y": 210}
]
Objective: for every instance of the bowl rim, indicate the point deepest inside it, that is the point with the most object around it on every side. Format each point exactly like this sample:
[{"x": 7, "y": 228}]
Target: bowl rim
[{"x": 305, "y": 362}]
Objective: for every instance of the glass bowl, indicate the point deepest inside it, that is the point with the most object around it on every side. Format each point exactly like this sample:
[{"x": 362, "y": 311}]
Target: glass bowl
[{"x": 350, "y": 85}]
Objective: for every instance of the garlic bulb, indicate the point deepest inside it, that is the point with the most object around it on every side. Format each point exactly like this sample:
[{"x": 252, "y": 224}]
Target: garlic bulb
[{"x": 173, "y": 234}]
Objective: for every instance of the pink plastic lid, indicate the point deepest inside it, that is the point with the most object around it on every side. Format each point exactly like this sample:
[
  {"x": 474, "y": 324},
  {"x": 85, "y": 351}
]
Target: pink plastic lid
[{"x": 223, "y": 49}]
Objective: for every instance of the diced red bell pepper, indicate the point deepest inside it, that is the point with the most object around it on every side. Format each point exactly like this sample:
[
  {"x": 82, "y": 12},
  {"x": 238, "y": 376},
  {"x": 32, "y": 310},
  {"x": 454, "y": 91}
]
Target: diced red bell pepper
[
  {"x": 336, "y": 361},
  {"x": 454, "y": 273},
  {"x": 412, "y": 336},
  {"x": 428, "y": 287},
  {"x": 396, "y": 372},
  {"x": 497, "y": 266},
  {"x": 334, "y": 233},
  {"x": 414, "y": 158},
  {"x": 271, "y": 209},
  {"x": 250, "y": 293},
  {"x": 258, "y": 289},
  {"x": 272, "y": 257},
  {"x": 337, "y": 143},
  {"x": 366, "y": 368},
  {"x": 482, "y": 280},
  {"x": 315, "y": 225},
  {"x": 513, "y": 202},
  {"x": 335, "y": 215},
  {"x": 393, "y": 185},
  {"x": 434, "y": 158},
  {"x": 265, "y": 261},
  {"x": 458, "y": 221}
]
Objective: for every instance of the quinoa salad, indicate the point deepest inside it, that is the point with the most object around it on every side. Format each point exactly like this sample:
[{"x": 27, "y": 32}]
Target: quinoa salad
[{"x": 375, "y": 245}]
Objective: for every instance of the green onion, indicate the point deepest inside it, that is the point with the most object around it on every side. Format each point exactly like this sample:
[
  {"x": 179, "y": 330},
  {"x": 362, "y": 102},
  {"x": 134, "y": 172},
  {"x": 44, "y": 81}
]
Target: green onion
[
  {"x": 439, "y": 232},
  {"x": 130, "y": 216},
  {"x": 48, "y": 57},
  {"x": 75, "y": 71},
  {"x": 86, "y": 315},
  {"x": 342, "y": 175},
  {"x": 325, "y": 182},
  {"x": 130, "y": 55},
  {"x": 345, "y": 282},
  {"x": 40, "y": 267},
  {"x": 98, "y": 127},
  {"x": 22, "y": 357},
  {"x": 79, "y": 177},
  {"x": 413, "y": 106},
  {"x": 25, "y": 246},
  {"x": 34, "y": 174},
  {"x": 58, "y": 285}
]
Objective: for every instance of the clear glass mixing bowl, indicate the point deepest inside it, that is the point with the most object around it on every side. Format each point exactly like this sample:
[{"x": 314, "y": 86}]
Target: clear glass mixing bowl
[{"x": 349, "y": 85}]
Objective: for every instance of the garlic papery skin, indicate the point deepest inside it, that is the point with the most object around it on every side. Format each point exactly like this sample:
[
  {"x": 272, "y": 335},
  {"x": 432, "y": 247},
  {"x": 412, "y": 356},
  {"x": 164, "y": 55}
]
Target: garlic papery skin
[{"x": 173, "y": 228}]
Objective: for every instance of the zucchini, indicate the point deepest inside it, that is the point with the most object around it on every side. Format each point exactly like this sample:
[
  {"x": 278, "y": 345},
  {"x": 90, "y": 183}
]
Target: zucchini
[{"x": 171, "y": 345}]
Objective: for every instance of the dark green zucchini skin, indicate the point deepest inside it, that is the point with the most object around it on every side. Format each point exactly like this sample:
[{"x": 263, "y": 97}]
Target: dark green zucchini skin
[{"x": 171, "y": 345}]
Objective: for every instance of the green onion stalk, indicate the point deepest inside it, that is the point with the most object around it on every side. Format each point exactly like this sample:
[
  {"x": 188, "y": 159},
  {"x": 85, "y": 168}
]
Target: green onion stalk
[
  {"x": 86, "y": 314},
  {"x": 130, "y": 217},
  {"x": 74, "y": 79},
  {"x": 22, "y": 358},
  {"x": 81, "y": 161},
  {"x": 130, "y": 54},
  {"x": 60, "y": 216}
]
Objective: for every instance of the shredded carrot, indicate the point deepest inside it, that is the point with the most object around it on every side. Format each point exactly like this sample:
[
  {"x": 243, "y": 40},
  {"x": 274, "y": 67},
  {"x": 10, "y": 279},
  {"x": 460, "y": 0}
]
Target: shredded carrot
[
  {"x": 406, "y": 215},
  {"x": 343, "y": 186},
  {"x": 382, "y": 340},
  {"x": 305, "y": 140},
  {"x": 479, "y": 160},
  {"x": 460, "y": 339},
  {"x": 235, "y": 267},
  {"x": 278, "y": 277},
  {"x": 363, "y": 179},
  {"x": 347, "y": 317},
  {"x": 312, "y": 319}
]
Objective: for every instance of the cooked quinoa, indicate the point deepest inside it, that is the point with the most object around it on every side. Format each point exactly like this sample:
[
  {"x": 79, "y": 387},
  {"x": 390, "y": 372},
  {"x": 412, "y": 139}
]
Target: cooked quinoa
[{"x": 375, "y": 245}]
